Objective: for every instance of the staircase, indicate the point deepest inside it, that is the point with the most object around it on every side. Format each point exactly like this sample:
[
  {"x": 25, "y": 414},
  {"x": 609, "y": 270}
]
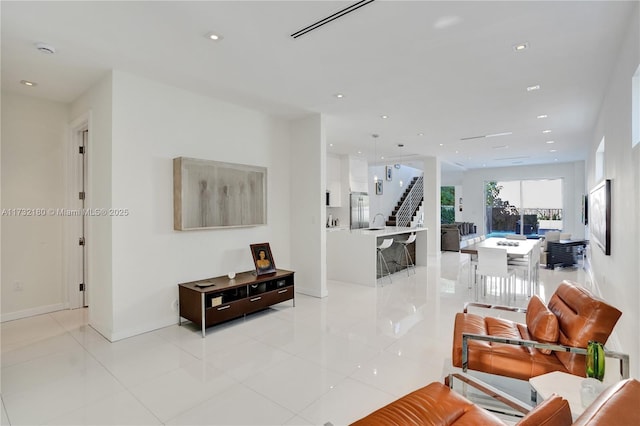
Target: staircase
[{"x": 408, "y": 204}]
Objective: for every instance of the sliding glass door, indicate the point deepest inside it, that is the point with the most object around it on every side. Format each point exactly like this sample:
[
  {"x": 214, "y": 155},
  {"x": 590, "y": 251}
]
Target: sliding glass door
[{"x": 528, "y": 207}]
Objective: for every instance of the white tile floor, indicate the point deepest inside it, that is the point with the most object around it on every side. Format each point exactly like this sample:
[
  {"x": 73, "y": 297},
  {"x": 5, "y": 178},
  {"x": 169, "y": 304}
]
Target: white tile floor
[{"x": 326, "y": 360}]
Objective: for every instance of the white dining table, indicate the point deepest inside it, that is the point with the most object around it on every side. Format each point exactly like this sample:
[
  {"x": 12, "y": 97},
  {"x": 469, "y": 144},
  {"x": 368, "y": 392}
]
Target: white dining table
[{"x": 514, "y": 248}]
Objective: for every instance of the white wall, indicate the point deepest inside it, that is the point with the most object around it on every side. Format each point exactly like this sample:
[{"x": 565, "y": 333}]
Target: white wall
[
  {"x": 33, "y": 147},
  {"x": 391, "y": 190},
  {"x": 152, "y": 123},
  {"x": 308, "y": 165},
  {"x": 97, "y": 104},
  {"x": 432, "y": 185},
  {"x": 616, "y": 276},
  {"x": 572, "y": 175}
]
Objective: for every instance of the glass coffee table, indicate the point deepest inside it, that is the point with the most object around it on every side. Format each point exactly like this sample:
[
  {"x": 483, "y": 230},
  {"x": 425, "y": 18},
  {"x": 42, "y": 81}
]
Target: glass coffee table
[{"x": 489, "y": 397}]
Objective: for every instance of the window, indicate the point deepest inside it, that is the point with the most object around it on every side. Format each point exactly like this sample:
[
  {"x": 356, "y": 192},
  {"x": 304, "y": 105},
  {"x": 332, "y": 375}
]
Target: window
[
  {"x": 529, "y": 207},
  {"x": 447, "y": 204},
  {"x": 635, "y": 108}
]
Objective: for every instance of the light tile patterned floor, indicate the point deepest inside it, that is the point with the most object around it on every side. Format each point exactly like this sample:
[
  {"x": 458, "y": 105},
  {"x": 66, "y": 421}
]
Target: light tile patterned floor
[{"x": 326, "y": 360}]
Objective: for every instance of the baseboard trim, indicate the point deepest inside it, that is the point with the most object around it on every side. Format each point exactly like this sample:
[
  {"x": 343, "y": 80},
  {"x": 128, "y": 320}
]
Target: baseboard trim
[
  {"x": 40, "y": 310},
  {"x": 131, "y": 332}
]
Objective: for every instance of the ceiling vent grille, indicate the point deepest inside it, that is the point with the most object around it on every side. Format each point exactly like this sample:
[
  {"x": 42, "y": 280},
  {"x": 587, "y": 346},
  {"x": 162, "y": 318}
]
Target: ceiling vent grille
[{"x": 357, "y": 5}]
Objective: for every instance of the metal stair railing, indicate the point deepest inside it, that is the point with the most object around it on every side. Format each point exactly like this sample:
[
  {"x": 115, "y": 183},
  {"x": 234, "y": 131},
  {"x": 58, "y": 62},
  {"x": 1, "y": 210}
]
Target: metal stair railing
[{"x": 411, "y": 203}]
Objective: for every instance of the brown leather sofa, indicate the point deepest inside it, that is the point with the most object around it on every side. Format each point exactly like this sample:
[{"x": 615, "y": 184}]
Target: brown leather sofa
[
  {"x": 438, "y": 405},
  {"x": 553, "y": 338}
]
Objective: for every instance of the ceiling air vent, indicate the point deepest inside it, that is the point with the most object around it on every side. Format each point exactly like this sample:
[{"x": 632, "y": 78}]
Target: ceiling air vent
[{"x": 357, "y": 5}]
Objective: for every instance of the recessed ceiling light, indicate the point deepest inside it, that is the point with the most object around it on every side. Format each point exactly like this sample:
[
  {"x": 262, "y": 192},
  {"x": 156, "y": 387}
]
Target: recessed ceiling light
[
  {"x": 532, "y": 88},
  {"x": 214, "y": 37},
  {"x": 382, "y": 158},
  {"x": 441, "y": 144},
  {"x": 400, "y": 145},
  {"x": 546, "y": 131},
  {"x": 339, "y": 95},
  {"x": 359, "y": 152},
  {"x": 384, "y": 117},
  {"x": 456, "y": 152},
  {"x": 520, "y": 47},
  {"x": 330, "y": 144},
  {"x": 550, "y": 142},
  {"x": 543, "y": 116},
  {"x": 420, "y": 134},
  {"x": 552, "y": 150},
  {"x": 28, "y": 83}
]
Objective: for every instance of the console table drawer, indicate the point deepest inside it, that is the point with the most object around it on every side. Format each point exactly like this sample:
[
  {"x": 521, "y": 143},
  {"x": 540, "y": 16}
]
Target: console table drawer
[
  {"x": 279, "y": 295},
  {"x": 225, "y": 312}
]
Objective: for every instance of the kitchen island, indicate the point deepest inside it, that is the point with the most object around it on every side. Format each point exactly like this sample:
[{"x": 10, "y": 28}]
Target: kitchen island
[{"x": 352, "y": 256}]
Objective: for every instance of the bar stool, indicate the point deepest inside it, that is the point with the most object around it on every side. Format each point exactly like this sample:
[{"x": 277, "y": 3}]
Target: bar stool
[
  {"x": 386, "y": 243},
  {"x": 407, "y": 256}
]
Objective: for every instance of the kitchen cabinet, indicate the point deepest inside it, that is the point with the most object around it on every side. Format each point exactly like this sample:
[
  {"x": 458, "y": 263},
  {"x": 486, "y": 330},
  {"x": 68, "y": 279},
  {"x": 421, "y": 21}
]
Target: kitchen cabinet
[
  {"x": 335, "y": 194},
  {"x": 358, "y": 175},
  {"x": 334, "y": 181}
]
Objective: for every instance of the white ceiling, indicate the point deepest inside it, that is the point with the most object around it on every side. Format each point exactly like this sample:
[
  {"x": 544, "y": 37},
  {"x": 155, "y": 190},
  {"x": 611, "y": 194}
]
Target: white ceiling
[{"x": 444, "y": 69}]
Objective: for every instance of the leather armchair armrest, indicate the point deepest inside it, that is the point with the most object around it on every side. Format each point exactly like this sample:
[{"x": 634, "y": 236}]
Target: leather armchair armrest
[
  {"x": 624, "y": 358},
  {"x": 554, "y": 411}
]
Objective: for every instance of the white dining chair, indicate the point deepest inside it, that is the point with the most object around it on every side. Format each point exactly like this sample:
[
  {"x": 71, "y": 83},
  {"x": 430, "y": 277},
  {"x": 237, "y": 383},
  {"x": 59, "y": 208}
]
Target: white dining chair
[
  {"x": 529, "y": 265},
  {"x": 385, "y": 244},
  {"x": 492, "y": 263}
]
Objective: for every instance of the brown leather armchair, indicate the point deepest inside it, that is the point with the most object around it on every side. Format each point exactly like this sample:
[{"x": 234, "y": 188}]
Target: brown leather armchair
[
  {"x": 554, "y": 337},
  {"x": 437, "y": 405}
]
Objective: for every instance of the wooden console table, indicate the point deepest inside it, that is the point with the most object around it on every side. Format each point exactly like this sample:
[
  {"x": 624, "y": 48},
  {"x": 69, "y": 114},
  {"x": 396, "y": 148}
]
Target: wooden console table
[{"x": 214, "y": 300}]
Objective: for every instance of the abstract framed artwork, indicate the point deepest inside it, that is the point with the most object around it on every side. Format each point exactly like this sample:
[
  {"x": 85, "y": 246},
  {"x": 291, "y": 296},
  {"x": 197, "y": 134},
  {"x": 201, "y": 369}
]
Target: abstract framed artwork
[
  {"x": 389, "y": 172},
  {"x": 600, "y": 215},
  {"x": 379, "y": 187},
  {"x": 212, "y": 194},
  {"x": 262, "y": 258}
]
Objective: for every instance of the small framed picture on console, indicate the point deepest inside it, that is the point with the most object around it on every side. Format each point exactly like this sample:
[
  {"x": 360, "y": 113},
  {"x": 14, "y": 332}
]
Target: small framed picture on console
[{"x": 263, "y": 258}]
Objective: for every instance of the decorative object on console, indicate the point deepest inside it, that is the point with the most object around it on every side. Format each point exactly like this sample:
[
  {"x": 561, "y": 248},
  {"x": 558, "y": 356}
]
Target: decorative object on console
[
  {"x": 263, "y": 259},
  {"x": 600, "y": 215},
  {"x": 211, "y": 194},
  {"x": 231, "y": 275}
]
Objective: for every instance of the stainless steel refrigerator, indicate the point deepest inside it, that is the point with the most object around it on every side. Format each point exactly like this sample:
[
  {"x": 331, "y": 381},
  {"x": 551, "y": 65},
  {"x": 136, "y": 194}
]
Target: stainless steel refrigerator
[{"x": 359, "y": 210}]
